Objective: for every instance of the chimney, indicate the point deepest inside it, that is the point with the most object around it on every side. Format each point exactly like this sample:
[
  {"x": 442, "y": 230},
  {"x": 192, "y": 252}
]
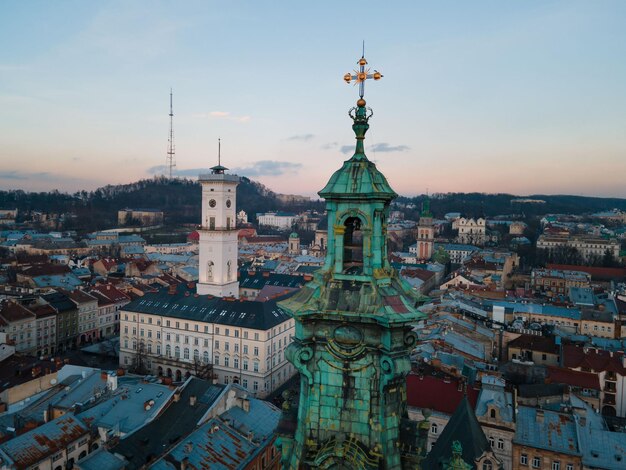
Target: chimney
[
  {"x": 245, "y": 405},
  {"x": 184, "y": 463},
  {"x": 177, "y": 396},
  {"x": 112, "y": 381},
  {"x": 192, "y": 400},
  {"x": 539, "y": 417}
]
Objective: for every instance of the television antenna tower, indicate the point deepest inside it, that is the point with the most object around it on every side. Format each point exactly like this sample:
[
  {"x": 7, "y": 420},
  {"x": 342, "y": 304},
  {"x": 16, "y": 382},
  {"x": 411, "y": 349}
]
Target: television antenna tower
[{"x": 170, "y": 162}]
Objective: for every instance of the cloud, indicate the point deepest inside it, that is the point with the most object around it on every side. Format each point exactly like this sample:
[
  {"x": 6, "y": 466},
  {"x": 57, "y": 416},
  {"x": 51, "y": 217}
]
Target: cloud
[
  {"x": 303, "y": 137},
  {"x": 23, "y": 175},
  {"x": 382, "y": 147},
  {"x": 385, "y": 147},
  {"x": 161, "y": 170},
  {"x": 221, "y": 115},
  {"x": 260, "y": 168},
  {"x": 328, "y": 146},
  {"x": 269, "y": 168}
]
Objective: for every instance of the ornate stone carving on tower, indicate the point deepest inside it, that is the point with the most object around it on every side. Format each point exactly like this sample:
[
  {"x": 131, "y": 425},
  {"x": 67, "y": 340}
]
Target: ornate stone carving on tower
[
  {"x": 353, "y": 331},
  {"x": 217, "y": 269},
  {"x": 425, "y": 233}
]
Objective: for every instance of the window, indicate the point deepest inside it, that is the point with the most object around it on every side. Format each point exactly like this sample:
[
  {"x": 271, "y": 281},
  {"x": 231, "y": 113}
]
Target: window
[
  {"x": 149, "y": 348},
  {"x": 500, "y": 444},
  {"x": 245, "y": 364},
  {"x": 205, "y": 357},
  {"x": 177, "y": 352},
  {"x": 256, "y": 351},
  {"x": 544, "y": 357},
  {"x": 236, "y": 363},
  {"x": 245, "y": 349},
  {"x": 226, "y": 346},
  {"x": 217, "y": 344},
  {"x": 206, "y": 328},
  {"x": 206, "y": 343},
  {"x": 158, "y": 335},
  {"x": 196, "y": 355},
  {"x": 226, "y": 362},
  {"x": 196, "y": 341},
  {"x": 216, "y": 360},
  {"x": 236, "y": 333},
  {"x": 227, "y": 333},
  {"x": 167, "y": 323},
  {"x": 569, "y": 466},
  {"x": 245, "y": 335},
  {"x": 255, "y": 386},
  {"x": 255, "y": 366},
  {"x": 217, "y": 330},
  {"x": 487, "y": 465},
  {"x": 167, "y": 336},
  {"x": 178, "y": 338},
  {"x": 434, "y": 429},
  {"x": 492, "y": 412},
  {"x": 168, "y": 350},
  {"x": 536, "y": 462},
  {"x": 177, "y": 325},
  {"x": 256, "y": 336},
  {"x": 523, "y": 459},
  {"x": 492, "y": 442},
  {"x": 236, "y": 347},
  {"x": 158, "y": 349},
  {"x": 186, "y": 353},
  {"x": 556, "y": 465},
  {"x": 245, "y": 383}
]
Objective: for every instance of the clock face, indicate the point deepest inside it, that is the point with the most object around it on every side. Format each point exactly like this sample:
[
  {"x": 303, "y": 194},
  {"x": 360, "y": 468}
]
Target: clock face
[
  {"x": 212, "y": 203},
  {"x": 228, "y": 203}
]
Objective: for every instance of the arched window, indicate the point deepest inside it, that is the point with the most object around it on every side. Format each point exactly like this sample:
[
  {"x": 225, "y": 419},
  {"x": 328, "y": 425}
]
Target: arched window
[
  {"x": 492, "y": 413},
  {"x": 177, "y": 352},
  {"x": 196, "y": 355},
  {"x": 492, "y": 442},
  {"x": 500, "y": 444},
  {"x": 353, "y": 245},
  {"x": 487, "y": 465},
  {"x": 186, "y": 353},
  {"x": 205, "y": 357},
  {"x": 168, "y": 350},
  {"x": 434, "y": 429}
]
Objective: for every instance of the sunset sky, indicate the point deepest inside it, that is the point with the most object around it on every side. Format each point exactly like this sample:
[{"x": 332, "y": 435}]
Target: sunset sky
[{"x": 518, "y": 96}]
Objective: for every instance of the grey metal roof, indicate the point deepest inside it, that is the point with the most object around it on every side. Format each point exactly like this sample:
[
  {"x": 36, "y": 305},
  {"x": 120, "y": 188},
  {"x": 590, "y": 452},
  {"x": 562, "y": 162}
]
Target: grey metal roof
[
  {"x": 187, "y": 305},
  {"x": 175, "y": 422},
  {"x": 101, "y": 459},
  {"x": 31, "y": 447},
  {"x": 550, "y": 430}
]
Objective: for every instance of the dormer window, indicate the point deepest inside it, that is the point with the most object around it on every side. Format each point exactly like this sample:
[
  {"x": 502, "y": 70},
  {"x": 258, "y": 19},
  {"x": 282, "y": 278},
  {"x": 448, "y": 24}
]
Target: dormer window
[{"x": 353, "y": 245}]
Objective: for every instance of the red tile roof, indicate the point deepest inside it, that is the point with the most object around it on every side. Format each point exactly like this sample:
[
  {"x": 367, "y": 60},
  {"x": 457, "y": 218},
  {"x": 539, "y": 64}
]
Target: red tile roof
[
  {"x": 557, "y": 375},
  {"x": 14, "y": 312},
  {"x": 595, "y": 360},
  {"x": 437, "y": 394},
  {"x": 535, "y": 343},
  {"x": 110, "y": 293},
  {"x": 596, "y": 273}
]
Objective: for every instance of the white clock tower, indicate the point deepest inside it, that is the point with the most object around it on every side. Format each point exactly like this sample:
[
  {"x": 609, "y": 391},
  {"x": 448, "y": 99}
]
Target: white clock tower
[{"x": 217, "y": 268}]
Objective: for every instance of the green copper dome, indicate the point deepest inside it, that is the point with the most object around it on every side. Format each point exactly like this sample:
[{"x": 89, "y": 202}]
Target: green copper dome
[{"x": 358, "y": 178}]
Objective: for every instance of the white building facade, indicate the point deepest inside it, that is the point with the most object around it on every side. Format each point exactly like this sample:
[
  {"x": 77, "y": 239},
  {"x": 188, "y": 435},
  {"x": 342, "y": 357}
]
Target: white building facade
[{"x": 217, "y": 270}]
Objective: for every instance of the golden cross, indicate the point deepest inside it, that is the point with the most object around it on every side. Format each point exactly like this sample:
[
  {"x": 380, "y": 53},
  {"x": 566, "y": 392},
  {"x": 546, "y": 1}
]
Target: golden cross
[{"x": 362, "y": 74}]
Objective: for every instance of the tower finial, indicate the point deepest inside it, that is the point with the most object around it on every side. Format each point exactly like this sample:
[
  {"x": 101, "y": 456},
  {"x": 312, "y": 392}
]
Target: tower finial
[
  {"x": 219, "y": 151},
  {"x": 361, "y": 75}
]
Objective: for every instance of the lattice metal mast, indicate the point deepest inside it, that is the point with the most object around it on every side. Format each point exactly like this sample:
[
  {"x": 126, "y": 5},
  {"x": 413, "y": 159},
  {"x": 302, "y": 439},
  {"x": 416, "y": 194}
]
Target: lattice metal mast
[{"x": 170, "y": 162}]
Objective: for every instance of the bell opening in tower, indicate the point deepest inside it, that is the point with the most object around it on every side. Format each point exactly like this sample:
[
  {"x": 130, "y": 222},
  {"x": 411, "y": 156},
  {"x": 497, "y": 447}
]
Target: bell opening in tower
[{"x": 353, "y": 246}]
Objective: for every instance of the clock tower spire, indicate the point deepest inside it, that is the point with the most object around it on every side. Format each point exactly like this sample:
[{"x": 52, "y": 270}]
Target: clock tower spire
[{"x": 217, "y": 270}]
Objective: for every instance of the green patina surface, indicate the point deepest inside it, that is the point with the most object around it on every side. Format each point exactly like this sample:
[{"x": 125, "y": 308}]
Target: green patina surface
[{"x": 353, "y": 336}]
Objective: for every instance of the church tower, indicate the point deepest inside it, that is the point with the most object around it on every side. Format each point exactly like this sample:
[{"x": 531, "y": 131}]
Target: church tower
[
  {"x": 217, "y": 269},
  {"x": 425, "y": 233},
  {"x": 353, "y": 331}
]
